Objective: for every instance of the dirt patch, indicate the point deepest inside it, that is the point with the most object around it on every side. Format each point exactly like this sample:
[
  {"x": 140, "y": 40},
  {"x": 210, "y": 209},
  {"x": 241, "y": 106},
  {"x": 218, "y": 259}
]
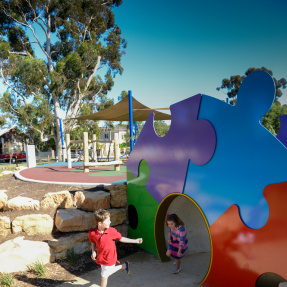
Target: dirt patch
[
  {"x": 61, "y": 270},
  {"x": 65, "y": 270}
]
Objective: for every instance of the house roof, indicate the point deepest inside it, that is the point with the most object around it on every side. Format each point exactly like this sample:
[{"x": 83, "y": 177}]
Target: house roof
[
  {"x": 5, "y": 130},
  {"x": 120, "y": 112}
]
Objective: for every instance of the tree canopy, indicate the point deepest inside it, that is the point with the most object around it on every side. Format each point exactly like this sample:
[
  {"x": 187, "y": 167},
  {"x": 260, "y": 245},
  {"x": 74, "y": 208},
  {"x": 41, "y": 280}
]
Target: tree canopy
[
  {"x": 57, "y": 56},
  {"x": 233, "y": 83},
  {"x": 271, "y": 120}
]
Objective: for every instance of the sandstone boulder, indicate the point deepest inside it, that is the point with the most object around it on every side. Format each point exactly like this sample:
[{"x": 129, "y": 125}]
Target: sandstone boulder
[
  {"x": 123, "y": 229},
  {"x": 22, "y": 203},
  {"x": 119, "y": 197},
  {"x": 5, "y": 226},
  {"x": 17, "y": 168},
  {"x": 62, "y": 199},
  {"x": 5, "y": 172},
  {"x": 18, "y": 253},
  {"x": 116, "y": 187},
  {"x": 70, "y": 220},
  {"x": 90, "y": 201},
  {"x": 3, "y": 198},
  {"x": 79, "y": 242},
  {"x": 118, "y": 216},
  {"x": 33, "y": 224}
]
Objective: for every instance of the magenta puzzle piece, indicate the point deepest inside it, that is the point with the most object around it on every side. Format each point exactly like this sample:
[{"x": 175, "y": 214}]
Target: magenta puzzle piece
[{"x": 168, "y": 157}]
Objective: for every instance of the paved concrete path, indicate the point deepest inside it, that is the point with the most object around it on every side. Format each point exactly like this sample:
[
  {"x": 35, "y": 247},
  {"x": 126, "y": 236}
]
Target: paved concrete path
[{"x": 148, "y": 270}]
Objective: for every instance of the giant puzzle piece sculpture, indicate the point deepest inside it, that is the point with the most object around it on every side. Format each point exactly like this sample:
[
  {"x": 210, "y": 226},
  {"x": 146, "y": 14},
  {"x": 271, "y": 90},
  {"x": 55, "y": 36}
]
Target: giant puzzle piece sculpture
[
  {"x": 245, "y": 154},
  {"x": 219, "y": 156},
  {"x": 168, "y": 157},
  {"x": 282, "y": 134},
  {"x": 242, "y": 254}
]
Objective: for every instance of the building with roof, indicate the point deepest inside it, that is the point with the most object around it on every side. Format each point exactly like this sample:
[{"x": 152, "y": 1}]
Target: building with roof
[
  {"x": 13, "y": 137},
  {"x": 108, "y": 134}
]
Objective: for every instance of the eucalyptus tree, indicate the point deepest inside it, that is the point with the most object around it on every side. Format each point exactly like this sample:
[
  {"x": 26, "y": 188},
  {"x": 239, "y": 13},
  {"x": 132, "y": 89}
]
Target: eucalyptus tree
[
  {"x": 271, "y": 120},
  {"x": 232, "y": 84},
  {"x": 55, "y": 56}
]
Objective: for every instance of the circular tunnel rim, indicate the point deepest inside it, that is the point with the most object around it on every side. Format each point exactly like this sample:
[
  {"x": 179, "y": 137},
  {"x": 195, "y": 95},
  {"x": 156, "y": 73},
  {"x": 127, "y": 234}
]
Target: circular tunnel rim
[{"x": 159, "y": 227}]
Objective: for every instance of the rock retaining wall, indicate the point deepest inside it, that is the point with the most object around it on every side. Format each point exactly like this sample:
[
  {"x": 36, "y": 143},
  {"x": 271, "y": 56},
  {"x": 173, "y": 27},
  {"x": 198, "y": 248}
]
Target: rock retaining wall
[{"x": 73, "y": 219}]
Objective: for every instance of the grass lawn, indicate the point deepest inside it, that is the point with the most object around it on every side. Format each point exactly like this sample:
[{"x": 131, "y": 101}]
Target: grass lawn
[{"x": 12, "y": 166}]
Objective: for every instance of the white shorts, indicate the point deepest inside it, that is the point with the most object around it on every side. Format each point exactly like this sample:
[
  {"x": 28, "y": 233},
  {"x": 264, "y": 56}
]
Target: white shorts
[{"x": 106, "y": 271}]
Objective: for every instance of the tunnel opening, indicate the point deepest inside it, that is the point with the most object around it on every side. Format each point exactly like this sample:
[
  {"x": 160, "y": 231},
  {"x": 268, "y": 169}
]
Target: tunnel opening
[
  {"x": 197, "y": 260},
  {"x": 269, "y": 279}
]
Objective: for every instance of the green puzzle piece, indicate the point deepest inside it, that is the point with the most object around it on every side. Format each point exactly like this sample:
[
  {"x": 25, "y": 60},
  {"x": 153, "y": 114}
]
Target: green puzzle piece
[{"x": 145, "y": 205}]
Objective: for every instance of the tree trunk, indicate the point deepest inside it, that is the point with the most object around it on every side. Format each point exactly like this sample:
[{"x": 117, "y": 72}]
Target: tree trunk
[
  {"x": 59, "y": 154},
  {"x": 57, "y": 112}
]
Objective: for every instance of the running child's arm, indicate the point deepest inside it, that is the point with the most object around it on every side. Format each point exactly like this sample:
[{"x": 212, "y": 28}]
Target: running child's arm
[
  {"x": 179, "y": 251},
  {"x": 94, "y": 253},
  {"x": 182, "y": 237},
  {"x": 129, "y": 240},
  {"x": 169, "y": 237}
]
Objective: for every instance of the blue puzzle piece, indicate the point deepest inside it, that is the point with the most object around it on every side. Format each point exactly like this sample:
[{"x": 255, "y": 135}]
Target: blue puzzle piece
[{"x": 247, "y": 156}]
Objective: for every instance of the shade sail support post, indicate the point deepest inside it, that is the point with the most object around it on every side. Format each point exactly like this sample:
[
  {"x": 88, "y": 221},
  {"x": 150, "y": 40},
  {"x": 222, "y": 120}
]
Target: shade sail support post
[{"x": 131, "y": 119}]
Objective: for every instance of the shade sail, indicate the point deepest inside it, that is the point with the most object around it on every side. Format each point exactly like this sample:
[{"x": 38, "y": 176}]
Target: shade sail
[{"x": 120, "y": 112}]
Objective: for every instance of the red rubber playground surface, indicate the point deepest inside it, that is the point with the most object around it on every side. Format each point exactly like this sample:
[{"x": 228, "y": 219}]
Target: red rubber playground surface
[{"x": 58, "y": 173}]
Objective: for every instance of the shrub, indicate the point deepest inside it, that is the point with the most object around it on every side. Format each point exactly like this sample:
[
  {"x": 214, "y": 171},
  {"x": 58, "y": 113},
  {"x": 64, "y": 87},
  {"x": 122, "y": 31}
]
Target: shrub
[
  {"x": 38, "y": 268},
  {"x": 7, "y": 280},
  {"x": 72, "y": 256}
]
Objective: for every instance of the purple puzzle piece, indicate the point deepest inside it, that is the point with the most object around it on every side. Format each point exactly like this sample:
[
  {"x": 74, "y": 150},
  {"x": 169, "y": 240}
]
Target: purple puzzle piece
[
  {"x": 168, "y": 157},
  {"x": 282, "y": 134}
]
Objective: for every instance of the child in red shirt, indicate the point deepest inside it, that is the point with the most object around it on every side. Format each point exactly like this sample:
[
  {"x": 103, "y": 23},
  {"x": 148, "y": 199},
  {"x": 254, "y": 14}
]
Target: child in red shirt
[{"x": 102, "y": 239}]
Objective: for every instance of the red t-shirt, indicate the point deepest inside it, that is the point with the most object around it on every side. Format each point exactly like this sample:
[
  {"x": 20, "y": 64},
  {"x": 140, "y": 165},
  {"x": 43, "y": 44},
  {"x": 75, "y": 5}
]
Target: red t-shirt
[{"x": 105, "y": 244}]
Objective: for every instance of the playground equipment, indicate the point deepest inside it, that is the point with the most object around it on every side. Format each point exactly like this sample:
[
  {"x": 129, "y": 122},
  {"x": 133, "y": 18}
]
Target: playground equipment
[
  {"x": 128, "y": 109},
  {"x": 225, "y": 175},
  {"x": 85, "y": 143}
]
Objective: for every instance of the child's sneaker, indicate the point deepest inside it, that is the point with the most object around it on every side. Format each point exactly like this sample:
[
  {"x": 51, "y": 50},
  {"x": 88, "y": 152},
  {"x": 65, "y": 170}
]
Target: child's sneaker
[
  {"x": 176, "y": 271},
  {"x": 127, "y": 267}
]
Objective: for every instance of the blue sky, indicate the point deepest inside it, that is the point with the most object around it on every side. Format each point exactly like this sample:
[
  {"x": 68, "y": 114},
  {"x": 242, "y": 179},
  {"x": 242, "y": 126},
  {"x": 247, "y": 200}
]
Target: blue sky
[{"x": 177, "y": 49}]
